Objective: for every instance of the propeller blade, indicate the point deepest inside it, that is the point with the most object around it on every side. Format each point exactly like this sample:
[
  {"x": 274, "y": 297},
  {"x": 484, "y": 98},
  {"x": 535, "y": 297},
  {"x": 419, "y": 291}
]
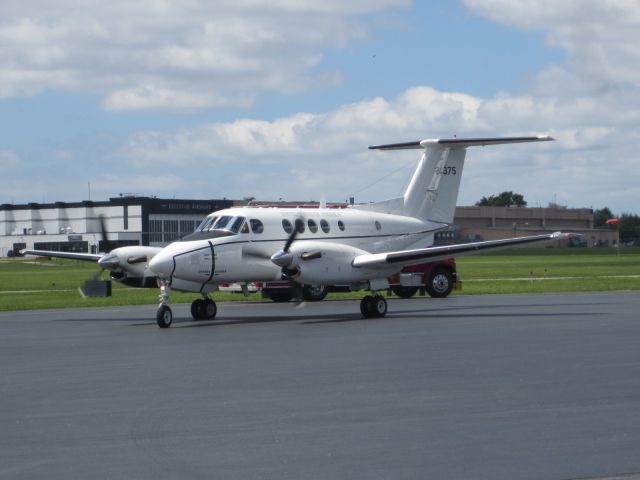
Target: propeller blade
[
  {"x": 290, "y": 240},
  {"x": 104, "y": 234},
  {"x": 297, "y": 294},
  {"x": 284, "y": 258}
]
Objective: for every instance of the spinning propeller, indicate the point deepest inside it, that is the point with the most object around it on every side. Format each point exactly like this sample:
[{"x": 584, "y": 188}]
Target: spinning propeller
[
  {"x": 285, "y": 259},
  {"x": 112, "y": 261}
]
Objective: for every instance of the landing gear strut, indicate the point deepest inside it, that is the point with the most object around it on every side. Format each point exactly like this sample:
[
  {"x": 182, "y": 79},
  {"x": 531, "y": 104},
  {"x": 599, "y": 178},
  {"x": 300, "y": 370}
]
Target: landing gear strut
[
  {"x": 203, "y": 308},
  {"x": 373, "y": 306},
  {"x": 164, "y": 315}
]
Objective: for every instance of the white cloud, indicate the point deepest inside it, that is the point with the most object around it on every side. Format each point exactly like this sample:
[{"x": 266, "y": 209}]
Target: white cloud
[
  {"x": 590, "y": 102},
  {"x": 308, "y": 155},
  {"x": 598, "y": 36},
  {"x": 174, "y": 55}
]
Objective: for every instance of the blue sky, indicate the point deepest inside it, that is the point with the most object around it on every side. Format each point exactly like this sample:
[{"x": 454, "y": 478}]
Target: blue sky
[{"x": 243, "y": 99}]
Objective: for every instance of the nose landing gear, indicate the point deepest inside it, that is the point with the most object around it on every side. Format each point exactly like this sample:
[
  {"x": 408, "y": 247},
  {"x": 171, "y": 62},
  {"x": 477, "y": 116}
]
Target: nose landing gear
[
  {"x": 164, "y": 315},
  {"x": 201, "y": 309}
]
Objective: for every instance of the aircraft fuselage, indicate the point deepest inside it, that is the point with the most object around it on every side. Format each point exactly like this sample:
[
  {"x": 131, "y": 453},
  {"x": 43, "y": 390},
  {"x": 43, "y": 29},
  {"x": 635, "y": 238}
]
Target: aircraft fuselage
[{"x": 236, "y": 245}]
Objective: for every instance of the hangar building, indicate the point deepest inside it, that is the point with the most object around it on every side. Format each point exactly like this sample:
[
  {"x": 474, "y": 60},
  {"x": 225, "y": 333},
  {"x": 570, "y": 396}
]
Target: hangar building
[{"x": 76, "y": 227}]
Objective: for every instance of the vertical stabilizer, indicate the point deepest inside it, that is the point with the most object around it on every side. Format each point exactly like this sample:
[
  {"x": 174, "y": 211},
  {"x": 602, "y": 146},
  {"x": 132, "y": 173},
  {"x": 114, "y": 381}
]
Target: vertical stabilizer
[{"x": 433, "y": 191}]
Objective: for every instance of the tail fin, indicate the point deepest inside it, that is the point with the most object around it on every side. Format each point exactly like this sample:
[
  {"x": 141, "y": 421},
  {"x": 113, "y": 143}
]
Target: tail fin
[{"x": 433, "y": 190}]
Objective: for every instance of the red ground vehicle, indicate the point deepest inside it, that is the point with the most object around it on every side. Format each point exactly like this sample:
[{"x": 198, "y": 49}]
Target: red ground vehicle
[{"x": 435, "y": 278}]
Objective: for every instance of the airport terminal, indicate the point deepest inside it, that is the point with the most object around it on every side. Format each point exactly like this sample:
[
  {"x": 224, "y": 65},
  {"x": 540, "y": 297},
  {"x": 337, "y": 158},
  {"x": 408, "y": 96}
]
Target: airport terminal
[{"x": 140, "y": 220}]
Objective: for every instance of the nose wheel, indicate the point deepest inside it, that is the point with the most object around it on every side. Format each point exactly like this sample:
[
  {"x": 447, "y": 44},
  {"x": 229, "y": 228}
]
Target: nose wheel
[
  {"x": 164, "y": 316},
  {"x": 373, "y": 306}
]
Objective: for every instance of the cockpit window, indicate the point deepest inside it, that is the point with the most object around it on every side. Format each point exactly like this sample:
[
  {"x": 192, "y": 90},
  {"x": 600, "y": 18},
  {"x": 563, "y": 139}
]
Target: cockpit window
[
  {"x": 236, "y": 224},
  {"x": 229, "y": 223},
  {"x": 221, "y": 223},
  {"x": 256, "y": 225},
  {"x": 245, "y": 228},
  {"x": 206, "y": 223}
]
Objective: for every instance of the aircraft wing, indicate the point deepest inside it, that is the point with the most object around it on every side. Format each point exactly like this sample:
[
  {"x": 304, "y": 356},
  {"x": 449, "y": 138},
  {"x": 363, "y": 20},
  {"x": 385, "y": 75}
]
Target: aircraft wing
[
  {"x": 88, "y": 257},
  {"x": 420, "y": 255}
]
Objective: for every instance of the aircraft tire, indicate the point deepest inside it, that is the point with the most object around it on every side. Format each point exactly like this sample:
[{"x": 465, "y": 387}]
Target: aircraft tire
[
  {"x": 366, "y": 306},
  {"x": 196, "y": 309},
  {"x": 209, "y": 309},
  {"x": 164, "y": 316},
  {"x": 379, "y": 305}
]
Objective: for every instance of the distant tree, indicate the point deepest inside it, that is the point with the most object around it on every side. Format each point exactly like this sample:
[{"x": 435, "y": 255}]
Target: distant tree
[
  {"x": 629, "y": 227},
  {"x": 600, "y": 216},
  {"x": 504, "y": 199}
]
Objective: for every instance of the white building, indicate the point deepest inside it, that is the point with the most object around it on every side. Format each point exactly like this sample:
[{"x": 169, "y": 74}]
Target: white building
[{"x": 128, "y": 220}]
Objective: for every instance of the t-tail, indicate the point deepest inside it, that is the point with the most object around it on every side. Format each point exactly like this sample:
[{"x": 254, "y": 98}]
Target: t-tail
[{"x": 433, "y": 191}]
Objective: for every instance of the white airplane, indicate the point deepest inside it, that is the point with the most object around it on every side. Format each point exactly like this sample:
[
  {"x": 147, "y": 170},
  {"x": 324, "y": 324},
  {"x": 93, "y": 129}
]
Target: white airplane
[
  {"x": 360, "y": 246},
  {"x": 127, "y": 265}
]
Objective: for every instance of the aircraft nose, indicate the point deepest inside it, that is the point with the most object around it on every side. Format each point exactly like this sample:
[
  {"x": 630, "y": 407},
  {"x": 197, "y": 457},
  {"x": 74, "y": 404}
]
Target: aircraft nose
[{"x": 162, "y": 264}]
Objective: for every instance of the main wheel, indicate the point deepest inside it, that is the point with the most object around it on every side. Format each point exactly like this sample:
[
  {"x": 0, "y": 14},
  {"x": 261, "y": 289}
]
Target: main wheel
[
  {"x": 404, "y": 292},
  {"x": 209, "y": 309},
  {"x": 314, "y": 293},
  {"x": 196, "y": 309},
  {"x": 164, "y": 316},
  {"x": 379, "y": 305},
  {"x": 366, "y": 306},
  {"x": 440, "y": 283}
]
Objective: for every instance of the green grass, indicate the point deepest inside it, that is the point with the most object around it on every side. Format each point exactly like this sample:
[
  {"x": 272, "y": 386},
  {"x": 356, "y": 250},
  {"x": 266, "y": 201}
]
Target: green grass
[
  {"x": 551, "y": 270},
  {"x": 28, "y": 284}
]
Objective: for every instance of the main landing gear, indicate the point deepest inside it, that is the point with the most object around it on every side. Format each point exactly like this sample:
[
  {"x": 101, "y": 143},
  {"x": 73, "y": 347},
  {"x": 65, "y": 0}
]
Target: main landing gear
[
  {"x": 201, "y": 309},
  {"x": 373, "y": 306}
]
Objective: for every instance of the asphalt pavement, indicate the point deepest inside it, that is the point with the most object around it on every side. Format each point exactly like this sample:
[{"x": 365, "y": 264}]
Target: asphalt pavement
[{"x": 482, "y": 387}]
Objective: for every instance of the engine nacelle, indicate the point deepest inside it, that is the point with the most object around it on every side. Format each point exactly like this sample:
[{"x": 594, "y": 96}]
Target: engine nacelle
[{"x": 330, "y": 264}]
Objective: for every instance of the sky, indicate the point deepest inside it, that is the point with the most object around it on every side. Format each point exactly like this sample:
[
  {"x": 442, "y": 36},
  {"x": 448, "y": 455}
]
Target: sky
[{"x": 280, "y": 99}]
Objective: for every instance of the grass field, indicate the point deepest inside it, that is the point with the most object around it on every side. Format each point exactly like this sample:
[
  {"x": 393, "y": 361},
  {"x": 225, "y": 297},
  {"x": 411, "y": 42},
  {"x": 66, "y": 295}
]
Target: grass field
[{"x": 31, "y": 284}]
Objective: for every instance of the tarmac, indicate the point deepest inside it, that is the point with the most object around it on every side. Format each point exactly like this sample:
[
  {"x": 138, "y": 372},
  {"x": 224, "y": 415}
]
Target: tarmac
[{"x": 482, "y": 387}]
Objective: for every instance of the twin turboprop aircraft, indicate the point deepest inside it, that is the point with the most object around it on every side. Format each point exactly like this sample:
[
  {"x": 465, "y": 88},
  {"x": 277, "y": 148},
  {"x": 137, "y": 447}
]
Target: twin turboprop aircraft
[{"x": 360, "y": 246}]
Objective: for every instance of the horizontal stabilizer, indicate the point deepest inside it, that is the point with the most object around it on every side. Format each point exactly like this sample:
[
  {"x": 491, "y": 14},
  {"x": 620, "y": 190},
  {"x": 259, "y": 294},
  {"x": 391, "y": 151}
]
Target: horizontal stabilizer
[
  {"x": 460, "y": 142},
  {"x": 413, "y": 257}
]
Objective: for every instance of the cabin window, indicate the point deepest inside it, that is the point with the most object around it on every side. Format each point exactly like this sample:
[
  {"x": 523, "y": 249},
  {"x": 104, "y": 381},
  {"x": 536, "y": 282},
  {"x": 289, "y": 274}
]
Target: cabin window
[
  {"x": 299, "y": 225},
  {"x": 341, "y": 225},
  {"x": 324, "y": 225},
  {"x": 286, "y": 225},
  {"x": 313, "y": 227},
  {"x": 256, "y": 225},
  {"x": 378, "y": 226}
]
